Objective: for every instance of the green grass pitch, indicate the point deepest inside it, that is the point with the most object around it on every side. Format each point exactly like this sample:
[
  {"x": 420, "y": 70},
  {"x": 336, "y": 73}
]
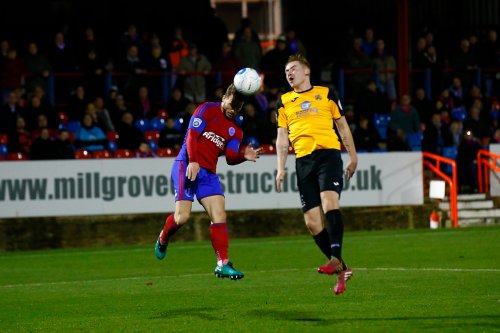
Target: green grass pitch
[{"x": 404, "y": 281}]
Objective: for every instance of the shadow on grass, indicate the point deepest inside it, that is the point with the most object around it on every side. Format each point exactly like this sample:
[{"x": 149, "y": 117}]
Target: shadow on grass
[{"x": 482, "y": 321}]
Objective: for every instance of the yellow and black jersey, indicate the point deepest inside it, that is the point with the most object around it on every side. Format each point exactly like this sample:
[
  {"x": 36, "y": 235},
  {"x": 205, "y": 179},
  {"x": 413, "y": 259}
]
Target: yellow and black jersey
[{"x": 309, "y": 116}]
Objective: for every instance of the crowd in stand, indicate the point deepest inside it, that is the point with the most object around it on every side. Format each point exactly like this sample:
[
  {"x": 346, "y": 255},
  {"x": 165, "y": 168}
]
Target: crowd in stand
[{"x": 461, "y": 111}]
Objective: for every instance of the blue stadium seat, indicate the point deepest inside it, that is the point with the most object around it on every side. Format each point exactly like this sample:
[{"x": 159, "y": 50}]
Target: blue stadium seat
[
  {"x": 414, "y": 141},
  {"x": 112, "y": 146},
  {"x": 142, "y": 124},
  {"x": 153, "y": 145},
  {"x": 73, "y": 126},
  {"x": 381, "y": 122},
  {"x": 451, "y": 153},
  {"x": 178, "y": 124},
  {"x": 157, "y": 124},
  {"x": 252, "y": 141},
  {"x": 459, "y": 113},
  {"x": 3, "y": 150}
]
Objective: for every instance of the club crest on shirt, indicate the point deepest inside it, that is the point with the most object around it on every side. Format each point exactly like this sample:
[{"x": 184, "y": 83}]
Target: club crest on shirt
[
  {"x": 197, "y": 122},
  {"x": 231, "y": 131},
  {"x": 318, "y": 97}
]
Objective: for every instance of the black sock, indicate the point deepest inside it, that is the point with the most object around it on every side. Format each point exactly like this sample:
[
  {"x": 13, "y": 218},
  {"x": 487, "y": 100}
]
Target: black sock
[
  {"x": 323, "y": 241},
  {"x": 336, "y": 232}
]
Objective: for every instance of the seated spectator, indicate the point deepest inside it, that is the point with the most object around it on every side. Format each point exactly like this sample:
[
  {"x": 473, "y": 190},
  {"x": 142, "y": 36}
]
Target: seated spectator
[
  {"x": 43, "y": 146},
  {"x": 404, "y": 120},
  {"x": 365, "y": 135},
  {"x": 42, "y": 123},
  {"x": 63, "y": 147},
  {"x": 89, "y": 136},
  {"x": 144, "y": 151},
  {"x": 129, "y": 136},
  {"x": 436, "y": 136},
  {"x": 170, "y": 136},
  {"x": 20, "y": 140},
  {"x": 103, "y": 115},
  {"x": 177, "y": 103}
]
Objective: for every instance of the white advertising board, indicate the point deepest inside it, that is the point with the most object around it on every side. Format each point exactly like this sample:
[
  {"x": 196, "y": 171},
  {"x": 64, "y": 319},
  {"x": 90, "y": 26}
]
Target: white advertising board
[{"x": 126, "y": 186}]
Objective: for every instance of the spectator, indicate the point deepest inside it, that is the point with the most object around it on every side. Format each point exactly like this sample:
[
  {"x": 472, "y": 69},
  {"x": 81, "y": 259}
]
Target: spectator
[
  {"x": 63, "y": 147},
  {"x": 194, "y": 67},
  {"x": 129, "y": 136},
  {"x": 467, "y": 163},
  {"x": 365, "y": 135},
  {"x": 226, "y": 64},
  {"x": 247, "y": 50},
  {"x": 43, "y": 146},
  {"x": 11, "y": 73},
  {"x": 436, "y": 136},
  {"x": 177, "y": 103},
  {"x": 272, "y": 65},
  {"x": 103, "y": 115},
  {"x": 170, "y": 136},
  {"x": 37, "y": 66},
  {"x": 385, "y": 63},
  {"x": 404, "y": 120},
  {"x": 294, "y": 44},
  {"x": 77, "y": 104},
  {"x": 89, "y": 136}
]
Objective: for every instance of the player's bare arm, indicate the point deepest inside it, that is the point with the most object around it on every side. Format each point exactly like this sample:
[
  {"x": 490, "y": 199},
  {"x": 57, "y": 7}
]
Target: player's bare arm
[
  {"x": 348, "y": 141},
  {"x": 282, "y": 144}
]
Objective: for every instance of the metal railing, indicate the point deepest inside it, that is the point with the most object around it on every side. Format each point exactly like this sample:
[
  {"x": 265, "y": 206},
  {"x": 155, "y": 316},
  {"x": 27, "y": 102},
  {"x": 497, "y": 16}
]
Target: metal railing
[
  {"x": 486, "y": 161},
  {"x": 433, "y": 162}
]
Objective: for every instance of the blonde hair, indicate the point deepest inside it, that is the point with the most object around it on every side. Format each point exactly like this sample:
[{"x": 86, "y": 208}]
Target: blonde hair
[{"x": 300, "y": 58}]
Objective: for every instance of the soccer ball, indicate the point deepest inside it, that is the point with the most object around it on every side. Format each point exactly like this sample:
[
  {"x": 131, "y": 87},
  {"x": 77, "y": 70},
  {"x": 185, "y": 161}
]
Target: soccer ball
[{"x": 247, "y": 81}]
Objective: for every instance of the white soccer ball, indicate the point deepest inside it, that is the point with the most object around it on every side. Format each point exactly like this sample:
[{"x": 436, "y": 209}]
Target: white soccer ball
[{"x": 247, "y": 81}]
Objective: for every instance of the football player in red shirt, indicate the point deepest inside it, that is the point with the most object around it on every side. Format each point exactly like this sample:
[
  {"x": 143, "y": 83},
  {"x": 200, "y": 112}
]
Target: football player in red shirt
[{"x": 212, "y": 132}]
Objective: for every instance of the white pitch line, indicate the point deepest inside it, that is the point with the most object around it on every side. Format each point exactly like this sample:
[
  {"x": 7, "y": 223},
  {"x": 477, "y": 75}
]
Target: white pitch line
[{"x": 183, "y": 276}]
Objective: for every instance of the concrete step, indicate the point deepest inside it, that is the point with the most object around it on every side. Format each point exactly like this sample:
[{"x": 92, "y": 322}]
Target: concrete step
[
  {"x": 469, "y": 204},
  {"x": 478, "y": 213},
  {"x": 477, "y": 222},
  {"x": 468, "y": 197}
]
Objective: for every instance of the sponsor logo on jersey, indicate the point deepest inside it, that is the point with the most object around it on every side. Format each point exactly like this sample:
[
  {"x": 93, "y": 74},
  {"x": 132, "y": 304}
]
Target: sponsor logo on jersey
[
  {"x": 294, "y": 99},
  {"x": 217, "y": 139},
  {"x": 305, "y": 105},
  {"x": 306, "y": 110}
]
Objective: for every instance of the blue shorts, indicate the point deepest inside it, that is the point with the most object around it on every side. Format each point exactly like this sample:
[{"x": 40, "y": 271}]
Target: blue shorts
[{"x": 205, "y": 185}]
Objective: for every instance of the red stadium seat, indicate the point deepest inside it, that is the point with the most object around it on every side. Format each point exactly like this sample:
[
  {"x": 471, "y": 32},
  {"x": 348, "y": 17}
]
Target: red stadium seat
[
  {"x": 112, "y": 136},
  {"x": 166, "y": 152},
  {"x": 152, "y": 136},
  {"x": 16, "y": 156},
  {"x": 63, "y": 118},
  {"x": 81, "y": 154},
  {"x": 4, "y": 139},
  {"x": 102, "y": 154},
  {"x": 124, "y": 153},
  {"x": 268, "y": 149},
  {"x": 163, "y": 114}
]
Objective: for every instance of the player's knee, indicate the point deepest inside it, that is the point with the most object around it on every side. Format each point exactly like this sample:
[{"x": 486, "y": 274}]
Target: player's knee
[{"x": 181, "y": 217}]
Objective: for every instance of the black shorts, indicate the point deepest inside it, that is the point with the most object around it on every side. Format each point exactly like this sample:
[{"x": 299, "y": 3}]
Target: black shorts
[{"x": 318, "y": 172}]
